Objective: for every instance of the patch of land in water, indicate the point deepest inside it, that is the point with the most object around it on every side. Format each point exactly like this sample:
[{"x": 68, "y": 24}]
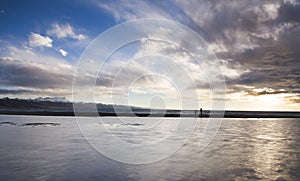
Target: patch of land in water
[{"x": 28, "y": 124}]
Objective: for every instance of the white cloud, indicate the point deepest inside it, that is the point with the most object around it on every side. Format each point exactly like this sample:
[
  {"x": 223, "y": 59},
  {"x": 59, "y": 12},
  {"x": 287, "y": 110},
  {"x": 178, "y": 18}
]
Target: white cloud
[
  {"x": 272, "y": 10},
  {"x": 274, "y": 33},
  {"x": 65, "y": 31},
  {"x": 218, "y": 47},
  {"x": 264, "y": 12},
  {"x": 293, "y": 2},
  {"x": 39, "y": 40},
  {"x": 63, "y": 52}
]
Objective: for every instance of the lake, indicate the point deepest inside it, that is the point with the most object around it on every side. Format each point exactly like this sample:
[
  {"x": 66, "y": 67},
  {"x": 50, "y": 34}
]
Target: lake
[{"x": 111, "y": 148}]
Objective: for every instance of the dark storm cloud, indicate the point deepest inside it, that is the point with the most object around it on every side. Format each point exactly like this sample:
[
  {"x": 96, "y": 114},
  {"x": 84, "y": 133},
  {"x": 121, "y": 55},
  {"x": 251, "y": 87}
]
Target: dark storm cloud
[
  {"x": 14, "y": 91},
  {"x": 275, "y": 67},
  {"x": 18, "y": 73},
  {"x": 38, "y": 80},
  {"x": 211, "y": 18},
  {"x": 289, "y": 12},
  {"x": 274, "y": 59}
]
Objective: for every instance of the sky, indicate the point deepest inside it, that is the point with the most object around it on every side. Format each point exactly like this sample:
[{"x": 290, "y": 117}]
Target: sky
[{"x": 256, "y": 45}]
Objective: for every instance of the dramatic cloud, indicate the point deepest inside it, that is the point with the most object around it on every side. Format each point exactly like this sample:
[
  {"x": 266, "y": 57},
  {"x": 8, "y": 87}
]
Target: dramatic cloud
[
  {"x": 23, "y": 74},
  {"x": 27, "y": 72},
  {"x": 15, "y": 91},
  {"x": 65, "y": 31},
  {"x": 266, "y": 91},
  {"x": 36, "y": 40},
  {"x": 257, "y": 41}
]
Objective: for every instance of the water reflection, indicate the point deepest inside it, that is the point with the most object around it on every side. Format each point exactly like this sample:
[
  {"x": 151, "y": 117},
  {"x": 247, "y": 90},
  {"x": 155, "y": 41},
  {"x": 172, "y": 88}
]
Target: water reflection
[
  {"x": 243, "y": 149},
  {"x": 271, "y": 154}
]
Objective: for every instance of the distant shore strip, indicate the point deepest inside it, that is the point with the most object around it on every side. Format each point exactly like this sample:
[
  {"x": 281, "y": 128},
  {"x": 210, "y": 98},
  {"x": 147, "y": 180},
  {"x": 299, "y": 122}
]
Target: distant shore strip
[{"x": 226, "y": 114}]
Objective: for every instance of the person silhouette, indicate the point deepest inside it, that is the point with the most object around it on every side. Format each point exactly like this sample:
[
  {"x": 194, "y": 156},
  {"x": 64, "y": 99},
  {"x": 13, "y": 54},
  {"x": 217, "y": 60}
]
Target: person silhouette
[{"x": 200, "y": 112}]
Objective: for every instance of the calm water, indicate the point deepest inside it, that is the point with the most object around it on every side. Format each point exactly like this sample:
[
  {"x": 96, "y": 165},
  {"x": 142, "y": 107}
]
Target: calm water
[{"x": 243, "y": 149}]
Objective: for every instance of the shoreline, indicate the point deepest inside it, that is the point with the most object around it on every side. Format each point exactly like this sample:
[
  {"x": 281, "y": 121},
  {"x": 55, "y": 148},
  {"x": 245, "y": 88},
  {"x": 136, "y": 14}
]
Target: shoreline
[{"x": 217, "y": 114}]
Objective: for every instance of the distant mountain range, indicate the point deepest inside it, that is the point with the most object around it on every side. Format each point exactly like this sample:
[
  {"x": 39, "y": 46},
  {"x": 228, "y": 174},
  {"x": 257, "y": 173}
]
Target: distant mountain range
[
  {"x": 38, "y": 103},
  {"x": 56, "y": 104},
  {"x": 49, "y": 99},
  {"x": 59, "y": 106}
]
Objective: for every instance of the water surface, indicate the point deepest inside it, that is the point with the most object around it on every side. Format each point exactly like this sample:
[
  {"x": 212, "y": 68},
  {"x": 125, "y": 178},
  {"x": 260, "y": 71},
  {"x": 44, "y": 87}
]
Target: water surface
[{"x": 243, "y": 149}]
